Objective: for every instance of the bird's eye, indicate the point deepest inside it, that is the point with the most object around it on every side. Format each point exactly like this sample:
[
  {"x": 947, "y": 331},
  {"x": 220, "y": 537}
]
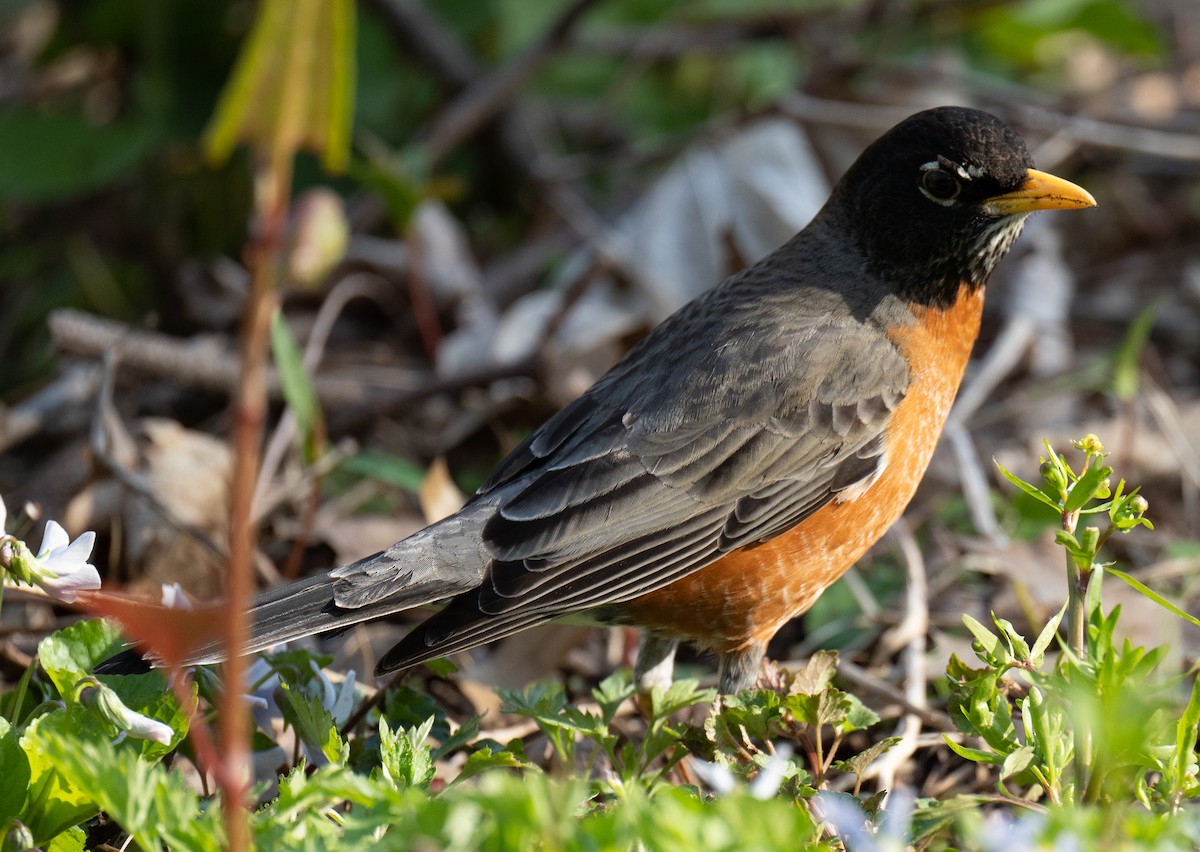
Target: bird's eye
[{"x": 940, "y": 185}]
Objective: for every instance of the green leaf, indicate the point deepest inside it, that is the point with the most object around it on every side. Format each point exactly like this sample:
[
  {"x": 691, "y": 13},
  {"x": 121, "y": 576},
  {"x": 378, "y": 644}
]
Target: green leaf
[
  {"x": 612, "y": 692},
  {"x": 756, "y": 711},
  {"x": 467, "y": 733},
  {"x": 1016, "y": 761},
  {"x": 407, "y": 707},
  {"x": 1038, "y": 652},
  {"x": 296, "y": 384},
  {"x": 1014, "y": 642},
  {"x": 331, "y": 808},
  {"x": 1032, "y": 490},
  {"x": 858, "y": 716},
  {"x": 154, "y": 805},
  {"x": 484, "y": 759},
  {"x": 14, "y": 779},
  {"x": 1079, "y": 555},
  {"x": 829, "y": 707},
  {"x": 1153, "y": 595},
  {"x": 293, "y": 84},
  {"x": 46, "y": 157},
  {"x": 151, "y": 695},
  {"x": 54, "y": 804},
  {"x": 859, "y": 763},
  {"x": 313, "y": 724},
  {"x": 680, "y": 695},
  {"x": 816, "y": 674},
  {"x": 74, "y": 651},
  {"x": 1085, "y": 489},
  {"x": 541, "y": 699},
  {"x": 1183, "y": 756},
  {"x": 406, "y": 757},
  {"x": 974, "y": 755},
  {"x": 1127, "y": 360},
  {"x": 398, "y": 472},
  {"x": 927, "y": 821},
  {"x": 71, "y": 840},
  {"x": 993, "y": 649}
]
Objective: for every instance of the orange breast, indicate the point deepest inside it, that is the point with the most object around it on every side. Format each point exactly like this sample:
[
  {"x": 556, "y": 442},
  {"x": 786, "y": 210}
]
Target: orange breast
[{"x": 746, "y": 596}]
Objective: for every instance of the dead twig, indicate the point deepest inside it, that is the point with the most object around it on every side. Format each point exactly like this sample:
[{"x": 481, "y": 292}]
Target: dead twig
[
  {"x": 205, "y": 363},
  {"x": 354, "y": 286},
  {"x": 53, "y": 404},
  {"x": 910, "y": 635}
]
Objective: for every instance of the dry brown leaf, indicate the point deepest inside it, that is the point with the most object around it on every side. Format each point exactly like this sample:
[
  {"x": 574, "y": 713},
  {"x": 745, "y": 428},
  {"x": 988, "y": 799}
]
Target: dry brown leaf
[{"x": 439, "y": 496}]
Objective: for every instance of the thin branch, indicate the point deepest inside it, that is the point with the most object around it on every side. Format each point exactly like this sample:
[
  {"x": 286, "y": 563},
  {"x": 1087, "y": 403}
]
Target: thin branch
[
  {"x": 423, "y": 37},
  {"x": 56, "y": 403},
  {"x": 487, "y": 98},
  {"x": 910, "y": 634},
  {"x": 102, "y": 442}
]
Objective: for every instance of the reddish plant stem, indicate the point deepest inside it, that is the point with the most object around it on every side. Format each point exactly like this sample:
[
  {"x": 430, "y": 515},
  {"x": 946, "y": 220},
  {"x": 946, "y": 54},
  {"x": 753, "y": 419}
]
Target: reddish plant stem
[{"x": 272, "y": 187}]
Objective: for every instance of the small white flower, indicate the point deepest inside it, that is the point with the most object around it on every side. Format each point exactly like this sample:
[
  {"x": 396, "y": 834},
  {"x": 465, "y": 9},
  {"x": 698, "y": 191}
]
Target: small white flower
[
  {"x": 261, "y": 681},
  {"x": 109, "y": 707},
  {"x": 145, "y": 728},
  {"x": 718, "y": 778},
  {"x": 174, "y": 597},
  {"x": 61, "y": 567},
  {"x": 843, "y": 813}
]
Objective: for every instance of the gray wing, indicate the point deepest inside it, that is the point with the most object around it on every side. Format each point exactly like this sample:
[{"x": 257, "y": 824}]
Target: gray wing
[{"x": 678, "y": 456}]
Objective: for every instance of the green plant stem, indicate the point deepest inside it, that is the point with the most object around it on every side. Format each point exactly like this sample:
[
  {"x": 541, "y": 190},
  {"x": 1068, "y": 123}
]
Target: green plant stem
[{"x": 1078, "y": 580}]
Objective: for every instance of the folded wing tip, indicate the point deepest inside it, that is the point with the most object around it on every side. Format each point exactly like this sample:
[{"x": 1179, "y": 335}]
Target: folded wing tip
[{"x": 130, "y": 661}]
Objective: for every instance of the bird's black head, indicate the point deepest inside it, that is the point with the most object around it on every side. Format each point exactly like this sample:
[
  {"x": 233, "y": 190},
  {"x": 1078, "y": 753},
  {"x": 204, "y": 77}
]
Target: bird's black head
[{"x": 936, "y": 201}]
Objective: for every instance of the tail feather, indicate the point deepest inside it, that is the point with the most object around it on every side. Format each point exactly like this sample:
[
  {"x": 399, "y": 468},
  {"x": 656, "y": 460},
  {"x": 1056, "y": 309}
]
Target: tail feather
[{"x": 423, "y": 569}]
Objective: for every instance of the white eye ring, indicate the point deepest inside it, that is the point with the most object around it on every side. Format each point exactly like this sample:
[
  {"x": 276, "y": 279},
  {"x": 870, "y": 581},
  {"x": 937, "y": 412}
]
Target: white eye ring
[{"x": 931, "y": 172}]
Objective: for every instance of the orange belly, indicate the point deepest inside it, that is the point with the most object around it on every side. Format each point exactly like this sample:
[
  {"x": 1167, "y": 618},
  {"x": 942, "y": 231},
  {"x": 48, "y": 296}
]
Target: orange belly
[{"x": 743, "y": 598}]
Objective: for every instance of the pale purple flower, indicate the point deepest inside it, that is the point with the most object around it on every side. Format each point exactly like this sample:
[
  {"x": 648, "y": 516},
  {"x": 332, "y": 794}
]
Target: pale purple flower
[
  {"x": 337, "y": 699},
  {"x": 843, "y": 813},
  {"x": 766, "y": 784}
]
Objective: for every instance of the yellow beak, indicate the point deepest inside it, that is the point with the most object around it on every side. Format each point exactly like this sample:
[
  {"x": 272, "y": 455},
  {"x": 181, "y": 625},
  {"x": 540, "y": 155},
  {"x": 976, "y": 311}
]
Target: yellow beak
[{"x": 1039, "y": 191}]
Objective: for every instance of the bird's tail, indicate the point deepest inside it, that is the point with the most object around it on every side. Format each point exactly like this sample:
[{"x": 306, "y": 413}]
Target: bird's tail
[{"x": 436, "y": 563}]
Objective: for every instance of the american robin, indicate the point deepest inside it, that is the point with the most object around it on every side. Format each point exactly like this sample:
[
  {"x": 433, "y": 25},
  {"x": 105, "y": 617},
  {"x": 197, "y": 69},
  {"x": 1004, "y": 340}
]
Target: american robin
[{"x": 748, "y": 451}]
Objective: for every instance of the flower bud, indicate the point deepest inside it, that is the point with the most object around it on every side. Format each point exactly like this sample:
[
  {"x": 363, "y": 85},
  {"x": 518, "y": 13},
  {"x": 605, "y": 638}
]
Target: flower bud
[
  {"x": 108, "y": 706},
  {"x": 1053, "y": 476},
  {"x": 15, "y": 835},
  {"x": 1090, "y": 444},
  {"x": 320, "y": 237}
]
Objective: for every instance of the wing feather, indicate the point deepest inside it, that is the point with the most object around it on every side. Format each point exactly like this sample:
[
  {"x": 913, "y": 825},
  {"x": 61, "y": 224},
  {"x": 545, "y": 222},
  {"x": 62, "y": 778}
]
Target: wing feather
[{"x": 677, "y": 457}]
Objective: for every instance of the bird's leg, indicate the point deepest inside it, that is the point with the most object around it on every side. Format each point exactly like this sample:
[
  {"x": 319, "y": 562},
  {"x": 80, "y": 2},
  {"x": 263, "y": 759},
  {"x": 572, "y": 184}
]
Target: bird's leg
[
  {"x": 655, "y": 663},
  {"x": 738, "y": 670}
]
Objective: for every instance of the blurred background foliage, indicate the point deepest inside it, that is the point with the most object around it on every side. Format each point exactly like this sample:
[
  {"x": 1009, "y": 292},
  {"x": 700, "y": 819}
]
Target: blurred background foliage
[{"x": 104, "y": 193}]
